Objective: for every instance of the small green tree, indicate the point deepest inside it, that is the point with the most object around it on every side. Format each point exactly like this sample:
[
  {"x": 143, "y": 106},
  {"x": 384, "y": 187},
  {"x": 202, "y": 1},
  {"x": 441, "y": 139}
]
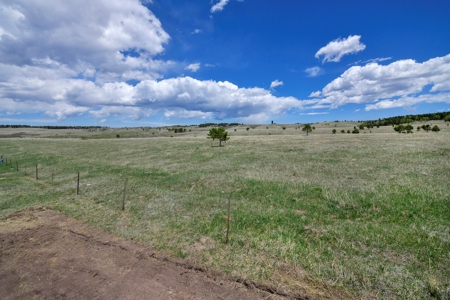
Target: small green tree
[
  {"x": 399, "y": 128},
  {"x": 426, "y": 127},
  {"x": 334, "y": 131},
  {"x": 218, "y": 134},
  {"x": 342, "y": 131},
  {"x": 307, "y": 128},
  {"x": 348, "y": 131},
  {"x": 409, "y": 128},
  {"x": 435, "y": 128},
  {"x": 355, "y": 131}
]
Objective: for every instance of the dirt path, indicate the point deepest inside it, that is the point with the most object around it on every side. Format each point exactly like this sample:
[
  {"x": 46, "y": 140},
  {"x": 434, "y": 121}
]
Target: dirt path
[{"x": 46, "y": 255}]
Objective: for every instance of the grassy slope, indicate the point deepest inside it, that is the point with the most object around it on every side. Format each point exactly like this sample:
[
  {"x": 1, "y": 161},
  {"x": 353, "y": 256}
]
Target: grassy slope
[{"x": 367, "y": 214}]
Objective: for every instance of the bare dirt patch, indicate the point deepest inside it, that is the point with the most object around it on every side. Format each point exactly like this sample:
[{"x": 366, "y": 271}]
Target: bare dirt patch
[{"x": 47, "y": 255}]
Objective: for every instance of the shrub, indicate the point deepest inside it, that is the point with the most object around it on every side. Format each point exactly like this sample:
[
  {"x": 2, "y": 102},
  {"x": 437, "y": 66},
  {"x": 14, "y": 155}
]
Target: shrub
[
  {"x": 334, "y": 131},
  {"x": 435, "y": 128},
  {"x": 117, "y": 135},
  {"x": 342, "y": 131},
  {"x": 355, "y": 131},
  {"x": 348, "y": 131},
  {"x": 248, "y": 128},
  {"x": 409, "y": 128},
  {"x": 399, "y": 128}
]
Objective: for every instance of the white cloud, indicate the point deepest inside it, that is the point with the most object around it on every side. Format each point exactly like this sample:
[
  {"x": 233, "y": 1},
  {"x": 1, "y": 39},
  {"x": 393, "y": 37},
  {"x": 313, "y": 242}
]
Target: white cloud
[
  {"x": 196, "y": 31},
  {"x": 314, "y": 113},
  {"x": 219, "y": 6},
  {"x": 363, "y": 62},
  {"x": 407, "y": 102},
  {"x": 314, "y": 71},
  {"x": 275, "y": 83},
  {"x": 187, "y": 114},
  {"x": 400, "y": 84},
  {"x": 193, "y": 67},
  {"x": 316, "y": 94},
  {"x": 336, "y": 49},
  {"x": 37, "y": 32}
]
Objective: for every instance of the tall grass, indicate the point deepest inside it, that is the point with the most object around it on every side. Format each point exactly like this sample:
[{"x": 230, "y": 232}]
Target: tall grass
[{"x": 364, "y": 216}]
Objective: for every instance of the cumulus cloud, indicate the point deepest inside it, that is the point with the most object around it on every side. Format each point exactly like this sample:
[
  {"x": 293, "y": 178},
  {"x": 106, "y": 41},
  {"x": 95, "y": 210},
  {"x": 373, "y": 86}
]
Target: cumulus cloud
[
  {"x": 35, "y": 33},
  {"x": 193, "y": 67},
  {"x": 314, "y": 71},
  {"x": 335, "y": 50},
  {"x": 219, "y": 6},
  {"x": 400, "y": 84},
  {"x": 275, "y": 83}
]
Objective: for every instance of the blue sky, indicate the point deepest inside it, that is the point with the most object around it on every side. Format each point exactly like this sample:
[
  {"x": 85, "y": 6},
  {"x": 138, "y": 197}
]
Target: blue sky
[{"x": 151, "y": 63}]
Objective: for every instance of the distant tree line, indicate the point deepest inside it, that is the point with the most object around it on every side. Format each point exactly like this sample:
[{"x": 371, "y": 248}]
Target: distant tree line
[{"x": 393, "y": 121}]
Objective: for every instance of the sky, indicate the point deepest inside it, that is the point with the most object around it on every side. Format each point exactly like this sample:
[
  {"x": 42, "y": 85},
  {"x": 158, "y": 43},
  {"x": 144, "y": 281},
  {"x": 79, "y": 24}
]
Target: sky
[{"x": 131, "y": 63}]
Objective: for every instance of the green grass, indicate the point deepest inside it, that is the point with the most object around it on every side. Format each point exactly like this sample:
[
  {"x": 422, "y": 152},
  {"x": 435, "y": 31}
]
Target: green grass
[{"x": 366, "y": 216}]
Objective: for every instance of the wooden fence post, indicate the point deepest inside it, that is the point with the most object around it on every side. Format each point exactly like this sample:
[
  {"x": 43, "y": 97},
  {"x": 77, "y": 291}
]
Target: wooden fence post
[
  {"x": 78, "y": 184},
  {"x": 228, "y": 219},
  {"x": 37, "y": 177},
  {"x": 124, "y": 194}
]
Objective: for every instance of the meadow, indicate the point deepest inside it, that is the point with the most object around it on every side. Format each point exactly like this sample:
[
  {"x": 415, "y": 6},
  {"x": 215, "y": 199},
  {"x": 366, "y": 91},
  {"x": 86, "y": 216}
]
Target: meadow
[{"x": 330, "y": 215}]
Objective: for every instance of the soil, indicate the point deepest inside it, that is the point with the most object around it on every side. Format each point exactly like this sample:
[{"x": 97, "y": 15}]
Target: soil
[{"x": 47, "y": 255}]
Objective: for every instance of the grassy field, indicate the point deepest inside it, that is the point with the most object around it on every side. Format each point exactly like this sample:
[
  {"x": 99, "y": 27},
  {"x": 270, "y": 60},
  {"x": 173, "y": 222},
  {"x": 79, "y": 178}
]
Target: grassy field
[{"x": 332, "y": 215}]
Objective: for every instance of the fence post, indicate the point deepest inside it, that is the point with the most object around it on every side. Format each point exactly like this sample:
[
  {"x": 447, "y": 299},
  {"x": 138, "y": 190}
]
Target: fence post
[
  {"x": 37, "y": 176},
  {"x": 228, "y": 219},
  {"x": 124, "y": 194},
  {"x": 78, "y": 184}
]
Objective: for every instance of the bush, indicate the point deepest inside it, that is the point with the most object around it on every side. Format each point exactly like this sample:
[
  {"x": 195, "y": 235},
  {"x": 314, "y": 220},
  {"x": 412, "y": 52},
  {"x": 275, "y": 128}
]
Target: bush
[
  {"x": 334, "y": 131},
  {"x": 399, "y": 128},
  {"x": 117, "y": 135},
  {"x": 248, "y": 128},
  {"x": 435, "y": 129},
  {"x": 342, "y": 131},
  {"x": 348, "y": 131},
  {"x": 355, "y": 131},
  {"x": 409, "y": 128}
]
